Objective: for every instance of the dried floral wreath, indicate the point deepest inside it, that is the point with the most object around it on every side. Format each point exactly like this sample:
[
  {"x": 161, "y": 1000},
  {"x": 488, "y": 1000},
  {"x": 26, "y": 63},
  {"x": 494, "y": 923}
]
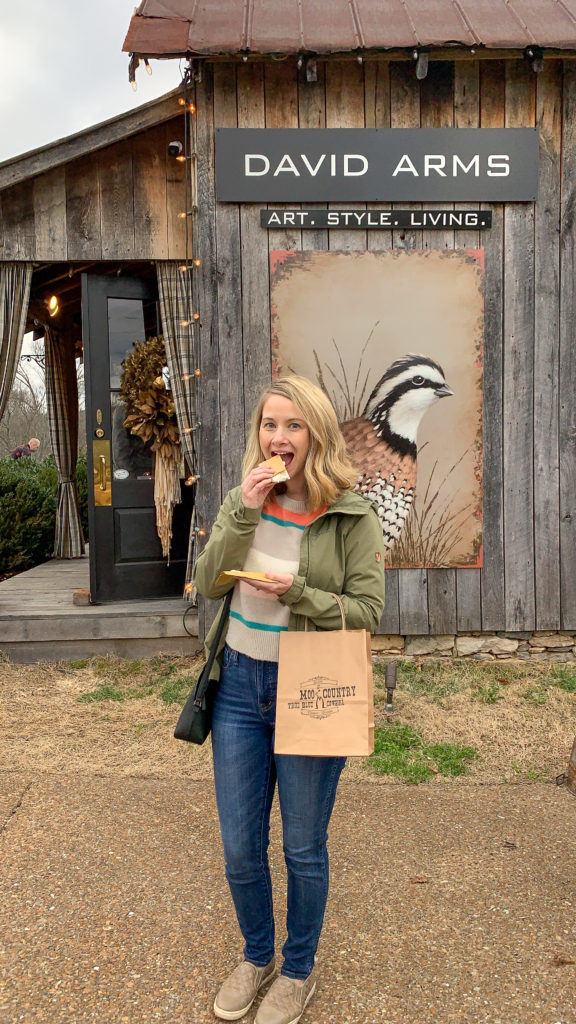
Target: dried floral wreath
[
  {"x": 151, "y": 411},
  {"x": 152, "y": 417}
]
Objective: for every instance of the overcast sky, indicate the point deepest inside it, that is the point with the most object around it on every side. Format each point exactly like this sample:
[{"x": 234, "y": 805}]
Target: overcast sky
[{"x": 62, "y": 69}]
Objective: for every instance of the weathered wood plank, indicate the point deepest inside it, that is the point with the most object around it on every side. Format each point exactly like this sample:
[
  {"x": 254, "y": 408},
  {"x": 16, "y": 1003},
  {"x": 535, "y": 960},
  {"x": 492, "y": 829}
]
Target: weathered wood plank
[
  {"x": 492, "y": 92},
  {"x": 468, "y": 603},
  {"x": 83, "y": 221},
  {"x": 442, "y": 616},
  {"x": 519, "y": 376},
  {"x": 88, "y": 141},
  {"x": 437, "y": 111},
  {"x": 208, "y": 492},
  {"x": 17, "y": 233},
  {"x": 567, "y": 386},
  {"x": 345, "y": 109},
  {"x": 377, "y": 107},
  {"x": 228, "y": 278},
  {"x": 255, "y": 262},
  {"x": 546, "y": 349},
  {"x": 405, "y": 113},
  {"x": 176, "y": 172},
  {"x": 390, "y": 621},
  {"x": 150, "y": 224},
  {"x": 49, "y": 191},
  {"x": 312, "y": 114},
  {"x": 413, "y": 601},
  {"x": 281, "y": 111},
  {"x": 467, "y": 115},
  {"x": 116, "y": 203}
]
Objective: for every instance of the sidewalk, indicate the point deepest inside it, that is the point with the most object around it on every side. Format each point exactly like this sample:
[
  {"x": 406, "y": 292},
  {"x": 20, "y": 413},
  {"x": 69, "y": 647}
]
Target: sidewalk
[{"x": 448, "y": 903}]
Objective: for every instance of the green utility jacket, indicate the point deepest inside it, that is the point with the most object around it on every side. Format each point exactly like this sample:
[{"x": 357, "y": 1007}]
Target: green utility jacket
[{"x": 342, "y": 553}]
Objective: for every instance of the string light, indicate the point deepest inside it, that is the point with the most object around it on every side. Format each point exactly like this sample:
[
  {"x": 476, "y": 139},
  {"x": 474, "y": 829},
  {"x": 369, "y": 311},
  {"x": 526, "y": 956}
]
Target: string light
[
  {"x": 53, "y": 305},
  {"x": 197, "y": 372},
  {"x": 147, "y": 66},
  {"x": 188, "y": 316}
]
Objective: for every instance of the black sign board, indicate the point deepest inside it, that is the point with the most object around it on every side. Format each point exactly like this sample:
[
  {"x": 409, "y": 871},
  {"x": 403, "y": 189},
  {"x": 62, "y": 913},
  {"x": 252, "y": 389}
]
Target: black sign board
[
  {"x": 470, "y": 220},
  {"x": 376, "y": 164}
]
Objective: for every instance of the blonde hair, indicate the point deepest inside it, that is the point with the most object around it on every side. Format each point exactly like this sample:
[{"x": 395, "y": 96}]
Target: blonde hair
[{"x": 327, "y": 471}]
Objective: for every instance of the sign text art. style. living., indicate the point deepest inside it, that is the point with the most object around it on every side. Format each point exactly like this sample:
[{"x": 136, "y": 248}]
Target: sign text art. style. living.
[
  {"x": 376, "y": 164},
  {"x": 354, "y": 219}
]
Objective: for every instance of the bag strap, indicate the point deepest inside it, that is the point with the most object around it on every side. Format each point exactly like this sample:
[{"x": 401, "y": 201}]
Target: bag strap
[
  {"x": 342, "y": 613},
  {"x": 204, "y": 679}
]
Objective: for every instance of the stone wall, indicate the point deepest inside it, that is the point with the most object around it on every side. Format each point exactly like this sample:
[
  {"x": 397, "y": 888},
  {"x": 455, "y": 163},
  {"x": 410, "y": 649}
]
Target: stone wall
[{"x": 538, "y": 646}]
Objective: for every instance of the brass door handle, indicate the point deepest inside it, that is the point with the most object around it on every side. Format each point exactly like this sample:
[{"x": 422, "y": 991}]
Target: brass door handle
[{"x": 102, "y": 464}]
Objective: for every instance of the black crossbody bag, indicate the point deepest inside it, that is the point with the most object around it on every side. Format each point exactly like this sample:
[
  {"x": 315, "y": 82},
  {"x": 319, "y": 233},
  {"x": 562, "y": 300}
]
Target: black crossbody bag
[{"x": 195, "y": 719}]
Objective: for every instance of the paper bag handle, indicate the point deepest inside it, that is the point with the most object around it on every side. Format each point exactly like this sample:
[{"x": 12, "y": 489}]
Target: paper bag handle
[{"x": 342, "y": 613}]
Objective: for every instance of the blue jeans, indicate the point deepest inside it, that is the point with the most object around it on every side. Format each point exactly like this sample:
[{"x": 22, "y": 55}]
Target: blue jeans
[{"x": 246, "y": 770}]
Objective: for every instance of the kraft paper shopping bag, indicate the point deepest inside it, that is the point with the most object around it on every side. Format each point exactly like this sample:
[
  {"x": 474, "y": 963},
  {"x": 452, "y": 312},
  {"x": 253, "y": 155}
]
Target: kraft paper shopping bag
[{"x": 325, "y": 699}]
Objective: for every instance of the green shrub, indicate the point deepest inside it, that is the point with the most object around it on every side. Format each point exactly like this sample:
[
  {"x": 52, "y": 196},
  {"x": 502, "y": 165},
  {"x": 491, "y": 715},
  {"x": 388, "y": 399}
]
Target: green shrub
[{"x": 28, "y": 497}]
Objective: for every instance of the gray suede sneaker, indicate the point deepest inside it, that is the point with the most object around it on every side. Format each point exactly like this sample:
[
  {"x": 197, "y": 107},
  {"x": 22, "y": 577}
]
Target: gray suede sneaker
[
  {"x": 239, "y": 990},
  {"x": 285, "y": 1002}
]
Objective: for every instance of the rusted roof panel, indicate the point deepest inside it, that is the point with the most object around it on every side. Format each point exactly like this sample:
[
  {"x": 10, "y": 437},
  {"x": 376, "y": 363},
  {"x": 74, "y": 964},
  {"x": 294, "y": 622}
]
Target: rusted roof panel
[{"x": 212, "y": 27}]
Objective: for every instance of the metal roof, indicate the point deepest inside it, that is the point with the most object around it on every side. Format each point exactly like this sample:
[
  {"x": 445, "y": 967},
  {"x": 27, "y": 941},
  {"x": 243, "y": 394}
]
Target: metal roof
[{"x": 161, "y": 28}]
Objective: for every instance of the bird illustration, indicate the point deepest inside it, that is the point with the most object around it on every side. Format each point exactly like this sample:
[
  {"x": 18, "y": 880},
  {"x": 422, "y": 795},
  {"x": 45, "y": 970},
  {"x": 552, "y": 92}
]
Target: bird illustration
[{"x": 382, "y": 441}]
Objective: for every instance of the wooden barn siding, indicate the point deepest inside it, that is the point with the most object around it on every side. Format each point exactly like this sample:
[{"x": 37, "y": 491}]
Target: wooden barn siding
[
  {"x": 120, "y": 203},
  {"x": 528, "y": 579}
]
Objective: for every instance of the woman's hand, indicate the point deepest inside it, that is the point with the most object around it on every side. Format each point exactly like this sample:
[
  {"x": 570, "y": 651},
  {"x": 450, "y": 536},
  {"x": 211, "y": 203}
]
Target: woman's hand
[
  {"x": 256, "y": 486},
  {"x": 280, "y": 582}
]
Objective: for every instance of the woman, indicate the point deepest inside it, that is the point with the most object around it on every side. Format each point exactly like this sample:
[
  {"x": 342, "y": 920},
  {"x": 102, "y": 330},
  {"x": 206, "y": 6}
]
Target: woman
[{"x": 312, "y": 537}]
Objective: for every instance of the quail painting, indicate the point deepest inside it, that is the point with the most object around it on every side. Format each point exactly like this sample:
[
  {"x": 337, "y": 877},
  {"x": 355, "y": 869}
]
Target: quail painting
[{"x": 382, "y": 441}]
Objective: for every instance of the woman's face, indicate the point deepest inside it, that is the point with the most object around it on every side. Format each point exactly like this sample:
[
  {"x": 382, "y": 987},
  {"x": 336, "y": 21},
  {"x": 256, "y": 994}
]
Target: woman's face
[{"x": 284, "y": 432}]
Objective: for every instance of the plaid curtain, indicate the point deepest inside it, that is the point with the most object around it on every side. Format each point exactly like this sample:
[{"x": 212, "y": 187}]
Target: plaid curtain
[
  {"x": 62, "y": 401},
  {"x": 15, "y": 279},
  {"x": 175, "y": 307}
]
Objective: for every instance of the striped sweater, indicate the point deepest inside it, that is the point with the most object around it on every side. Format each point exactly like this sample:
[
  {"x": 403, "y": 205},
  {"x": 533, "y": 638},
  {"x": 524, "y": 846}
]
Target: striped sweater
[{"x": 257, "y": 619}]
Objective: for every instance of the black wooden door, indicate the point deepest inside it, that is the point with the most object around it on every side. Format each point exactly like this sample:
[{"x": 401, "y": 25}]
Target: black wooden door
[{"x": 125, "y": 553}]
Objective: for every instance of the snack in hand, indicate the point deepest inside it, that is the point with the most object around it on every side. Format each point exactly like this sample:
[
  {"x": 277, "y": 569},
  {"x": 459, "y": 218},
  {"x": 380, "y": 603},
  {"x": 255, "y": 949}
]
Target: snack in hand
[{"x": 277, "y": 465}]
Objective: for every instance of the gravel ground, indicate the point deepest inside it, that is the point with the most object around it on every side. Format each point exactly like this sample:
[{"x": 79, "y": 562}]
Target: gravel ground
[{"x": 451, "y": 903}]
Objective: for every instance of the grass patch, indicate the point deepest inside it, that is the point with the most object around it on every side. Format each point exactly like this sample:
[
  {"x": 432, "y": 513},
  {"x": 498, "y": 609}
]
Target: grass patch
[
  {"x": 565, "y": 678},
  {"x": 429, "y": 679},
  {"x": 110, "y": 693},
  {"x": 117, "y": 667},
  {"x": 400, "y": 751},
  {"x": 175, "y": 691},
  {"x": 535, "y": 695},
  {"x": 488, "y": 694},
  {"x": 78, "y": 664}
]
